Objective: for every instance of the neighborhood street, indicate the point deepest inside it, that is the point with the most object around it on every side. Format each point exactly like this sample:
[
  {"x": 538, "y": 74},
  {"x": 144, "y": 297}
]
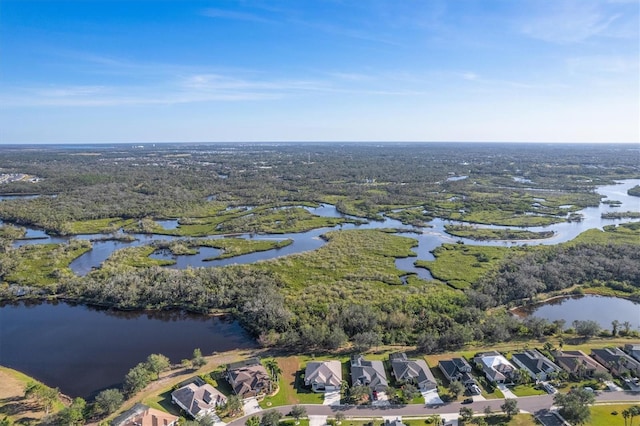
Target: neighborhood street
[{"x": 531, "y": 404}]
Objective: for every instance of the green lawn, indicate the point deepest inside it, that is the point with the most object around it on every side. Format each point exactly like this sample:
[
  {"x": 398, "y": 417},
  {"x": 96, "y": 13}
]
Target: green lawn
[
  {"x": 526, "y": 390},
  {"x": 163, "y": 402},
  {"x": 603, "y": 415}
]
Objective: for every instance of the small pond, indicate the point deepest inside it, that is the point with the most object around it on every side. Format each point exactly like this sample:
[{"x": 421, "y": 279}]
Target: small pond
[{"x": 603, "y": 310}]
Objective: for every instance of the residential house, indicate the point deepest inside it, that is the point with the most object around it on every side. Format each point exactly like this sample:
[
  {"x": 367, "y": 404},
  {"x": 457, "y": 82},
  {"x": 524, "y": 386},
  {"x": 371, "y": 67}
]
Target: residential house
[
  {"x": 577, "y": 364},
  {"x": 633, "y": 349},
  {"x": 535, "y": 364},
  {"x": 415, "y": 371},
  {"x": 368, "y": 373},
  {"x": 323, "y": 376},
  {"x": 248, "y": 378},
  {"x": 618, "y": 362},
  {"x": 198, "y": 399},
  {"x": 458, "y": 369},
  {"x": 496, "y": 367},
  {"x": 141, "y": 415}
]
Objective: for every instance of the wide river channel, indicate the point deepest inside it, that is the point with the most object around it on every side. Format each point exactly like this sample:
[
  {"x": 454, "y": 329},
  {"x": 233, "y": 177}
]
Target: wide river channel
[{"x": 82, "y": 350}]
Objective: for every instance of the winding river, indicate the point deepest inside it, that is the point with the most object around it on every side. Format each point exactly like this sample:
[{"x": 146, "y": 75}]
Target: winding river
[
  {"x": 82, "y": 350},
  {"x": 428, "y": 239}
]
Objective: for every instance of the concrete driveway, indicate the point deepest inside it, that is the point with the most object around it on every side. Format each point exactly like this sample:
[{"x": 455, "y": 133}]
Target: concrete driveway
[
  {"x": 250, "y": 406},
  {"x": 431, "y": 397},
  {"x": 331, "y": 398},
  {"x": 382, "y": 401},
  {"x": 317, "y": 420},
  {"x": 506, "y": 392}
]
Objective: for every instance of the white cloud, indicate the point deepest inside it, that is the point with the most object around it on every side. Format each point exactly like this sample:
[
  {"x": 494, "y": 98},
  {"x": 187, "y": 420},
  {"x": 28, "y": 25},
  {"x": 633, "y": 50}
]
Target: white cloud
[{"x": 571, "y": 22}]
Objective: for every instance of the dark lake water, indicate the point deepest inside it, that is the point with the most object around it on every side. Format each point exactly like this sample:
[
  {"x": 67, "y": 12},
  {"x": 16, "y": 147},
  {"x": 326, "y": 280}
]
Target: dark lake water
[
  {"x": 82, "y": 350},
  {"x": 601, "y": 309}
]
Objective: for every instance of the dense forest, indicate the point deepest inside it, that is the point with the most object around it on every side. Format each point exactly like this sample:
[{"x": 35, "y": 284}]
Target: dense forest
[{"x": 350, "y": 289}]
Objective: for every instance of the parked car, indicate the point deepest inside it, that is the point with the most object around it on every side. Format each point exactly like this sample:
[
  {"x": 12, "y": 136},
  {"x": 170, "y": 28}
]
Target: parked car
[
  {"x": 549, "y": 388},
  {"x": 467, "y": 401}
]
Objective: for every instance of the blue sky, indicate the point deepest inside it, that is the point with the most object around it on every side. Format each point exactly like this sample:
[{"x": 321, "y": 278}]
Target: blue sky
[{"x": 335, "y": 70}]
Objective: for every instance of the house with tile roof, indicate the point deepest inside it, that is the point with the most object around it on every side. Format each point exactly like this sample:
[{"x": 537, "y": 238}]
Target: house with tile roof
[
  {"x": 142, "y": 415},
  {"x": 535, "y": 364},
  {"x": 496, "y": 367},
  {"x": 578, "y": 364},
  {"x": 368, "y": 373},
  {"x": 248, "y": 378},
  {"x": 415, "y": 371},
  {"x": 325, "y": 376},
  {"x": 198, "y": 399}
]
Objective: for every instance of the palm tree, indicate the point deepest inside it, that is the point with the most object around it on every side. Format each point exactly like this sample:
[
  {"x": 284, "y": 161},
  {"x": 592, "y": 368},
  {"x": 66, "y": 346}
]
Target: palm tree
[
  {"x": 633, "y": 411},
  {"x": 274, "y": 369},
  {"x": 625, "y": 415}
]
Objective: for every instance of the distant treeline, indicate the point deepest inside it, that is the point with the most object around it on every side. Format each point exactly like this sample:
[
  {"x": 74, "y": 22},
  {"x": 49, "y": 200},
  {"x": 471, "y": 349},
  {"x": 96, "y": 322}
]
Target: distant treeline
[{"x": 362, "y": 179}]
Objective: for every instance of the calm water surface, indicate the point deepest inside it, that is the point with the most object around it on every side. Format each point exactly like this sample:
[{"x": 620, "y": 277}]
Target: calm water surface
[
  {"x": 601, "y": 309},
  {"x": 82, "y": 350}
]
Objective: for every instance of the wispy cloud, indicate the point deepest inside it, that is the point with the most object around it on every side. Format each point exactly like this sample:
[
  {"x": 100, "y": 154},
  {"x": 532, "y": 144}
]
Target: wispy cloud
[
  {"x": 193, "y": 88},
  {"x": 571, "y": 22},
  {"x": 234, "y": 15},
  {"x": 503, "y": 83},
  {"x": 603, "y": 64}
]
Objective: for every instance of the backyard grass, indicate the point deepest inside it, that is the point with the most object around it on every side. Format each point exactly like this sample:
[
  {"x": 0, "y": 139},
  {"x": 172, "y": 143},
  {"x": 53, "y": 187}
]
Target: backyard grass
[
  {"x": 12, "y": 401},
  {"x": 163, "y": 402},
  {"x": 291, "y": 386}
]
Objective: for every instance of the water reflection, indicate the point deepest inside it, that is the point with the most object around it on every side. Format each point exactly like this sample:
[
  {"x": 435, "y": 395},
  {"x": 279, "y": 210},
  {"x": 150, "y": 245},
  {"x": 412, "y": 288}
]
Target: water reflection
[
  {"x": 604, "y": 310},
  {"x": 83, "y": 349}
]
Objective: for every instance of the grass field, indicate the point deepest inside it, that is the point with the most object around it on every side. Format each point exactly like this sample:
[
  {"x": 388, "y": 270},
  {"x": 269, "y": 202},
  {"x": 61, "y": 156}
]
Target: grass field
[
  {"x": 603, "y": 415},
  {"x": 98, "y": 226},
  {"x": 460, "y": 265},
  {"x": 12, "y": 401},
  {"x": 41, "y": 265}
]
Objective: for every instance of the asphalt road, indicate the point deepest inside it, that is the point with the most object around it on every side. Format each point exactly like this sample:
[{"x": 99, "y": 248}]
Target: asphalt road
[{"x": 531, "y": 404}]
